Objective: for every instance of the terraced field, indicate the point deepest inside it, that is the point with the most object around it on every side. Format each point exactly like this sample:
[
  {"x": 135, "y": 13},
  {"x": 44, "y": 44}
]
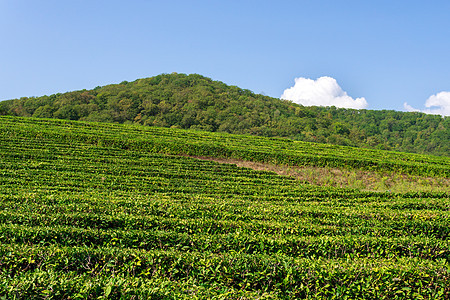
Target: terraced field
[{"x": 109, "y": 211}]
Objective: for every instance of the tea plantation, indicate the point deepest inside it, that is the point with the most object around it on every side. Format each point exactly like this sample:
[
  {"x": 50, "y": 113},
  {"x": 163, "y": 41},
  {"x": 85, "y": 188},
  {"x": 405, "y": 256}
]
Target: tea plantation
[{"x": 107, "y": 211}]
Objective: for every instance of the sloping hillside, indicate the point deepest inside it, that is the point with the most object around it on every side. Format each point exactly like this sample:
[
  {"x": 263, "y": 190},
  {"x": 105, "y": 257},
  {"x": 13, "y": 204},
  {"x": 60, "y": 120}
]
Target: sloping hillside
[
  {"x": 221, "y": 145},
  {"x": 95, "y": 210},
  {"x": 196, "y": 102}
]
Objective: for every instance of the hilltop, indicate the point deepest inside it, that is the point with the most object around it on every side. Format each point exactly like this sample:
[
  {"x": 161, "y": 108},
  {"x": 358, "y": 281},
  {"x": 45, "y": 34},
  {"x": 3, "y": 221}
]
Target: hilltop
[{"x": 196, "y": 102}]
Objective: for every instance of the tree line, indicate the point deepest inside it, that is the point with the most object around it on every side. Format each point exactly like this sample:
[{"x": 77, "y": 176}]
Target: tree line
[{"x": 196, "y": 102}]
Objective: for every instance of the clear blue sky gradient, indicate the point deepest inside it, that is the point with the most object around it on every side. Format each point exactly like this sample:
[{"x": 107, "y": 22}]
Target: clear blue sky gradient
[{"x": 389, "y": 52}]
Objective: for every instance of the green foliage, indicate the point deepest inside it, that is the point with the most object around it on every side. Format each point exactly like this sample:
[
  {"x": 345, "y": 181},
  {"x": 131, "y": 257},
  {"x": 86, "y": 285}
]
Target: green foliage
[
  {"x": 196, "y": 102},
  {"x": 101, "y": 211},
  {"x": 259, "y": 149}
]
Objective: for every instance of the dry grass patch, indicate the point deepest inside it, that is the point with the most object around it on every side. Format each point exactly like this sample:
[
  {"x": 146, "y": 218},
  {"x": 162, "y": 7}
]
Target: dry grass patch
[{"x": 357, "y": 179}]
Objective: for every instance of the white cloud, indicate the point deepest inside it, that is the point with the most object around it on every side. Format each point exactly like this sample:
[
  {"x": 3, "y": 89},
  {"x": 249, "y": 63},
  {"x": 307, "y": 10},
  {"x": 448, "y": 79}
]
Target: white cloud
[
  {"x": 438, "y": 104},
  {"x": 408, "y": 107},
  {"x": 324, "y": 91}
]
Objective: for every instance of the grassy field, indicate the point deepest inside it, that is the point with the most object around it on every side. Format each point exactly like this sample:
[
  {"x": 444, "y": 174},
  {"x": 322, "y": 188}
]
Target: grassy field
[
  {"x": 364, "y": 180},
  {"x": 104, "y": 211}
]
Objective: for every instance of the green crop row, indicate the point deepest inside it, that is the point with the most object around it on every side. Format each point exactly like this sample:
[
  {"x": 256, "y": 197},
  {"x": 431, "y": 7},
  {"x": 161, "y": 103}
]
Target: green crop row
[
  {"x": 278, "y": 276},
  {"x": 197, "y": 219},
  {"x": 254, "y": 243}
]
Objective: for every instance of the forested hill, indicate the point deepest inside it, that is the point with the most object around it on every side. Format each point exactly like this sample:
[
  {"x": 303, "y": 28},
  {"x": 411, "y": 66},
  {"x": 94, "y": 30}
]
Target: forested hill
[{"x": 197, "y": 102}]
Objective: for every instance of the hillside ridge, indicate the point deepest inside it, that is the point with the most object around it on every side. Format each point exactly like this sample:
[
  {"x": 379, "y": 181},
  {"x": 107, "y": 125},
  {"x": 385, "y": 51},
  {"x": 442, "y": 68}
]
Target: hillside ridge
[
  {"x": 197, "y": 102},
  {"x": 175, "y": 141}
]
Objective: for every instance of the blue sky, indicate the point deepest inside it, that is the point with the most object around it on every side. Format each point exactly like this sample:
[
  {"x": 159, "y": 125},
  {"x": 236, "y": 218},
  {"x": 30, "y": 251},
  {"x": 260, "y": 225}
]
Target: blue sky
[{"x": 386, "y": 52}]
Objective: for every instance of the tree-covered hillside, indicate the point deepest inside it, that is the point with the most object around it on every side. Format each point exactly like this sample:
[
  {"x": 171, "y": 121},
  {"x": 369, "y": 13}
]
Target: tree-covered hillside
[{"x": 197, "y": 102}]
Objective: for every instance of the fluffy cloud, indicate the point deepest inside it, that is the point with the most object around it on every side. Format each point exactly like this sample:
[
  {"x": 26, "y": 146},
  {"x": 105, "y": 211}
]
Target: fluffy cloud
[
  {"x": 438, "y": 104},
  {"x": 324, "y": 91}
]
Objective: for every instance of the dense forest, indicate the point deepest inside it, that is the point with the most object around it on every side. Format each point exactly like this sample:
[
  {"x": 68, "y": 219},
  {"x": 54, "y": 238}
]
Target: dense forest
[{"x": 196, "y": 102}]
